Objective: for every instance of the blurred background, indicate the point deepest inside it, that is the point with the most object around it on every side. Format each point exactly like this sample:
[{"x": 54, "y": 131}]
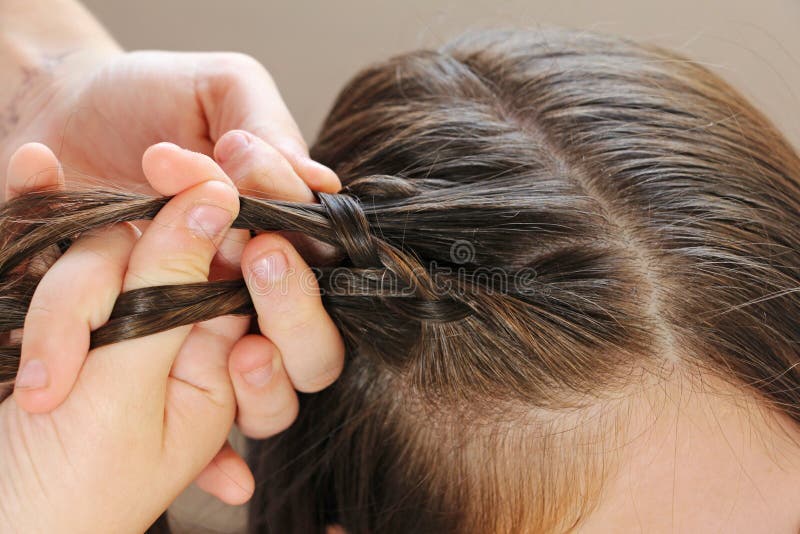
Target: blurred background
[{"x": 312, "y": 48}]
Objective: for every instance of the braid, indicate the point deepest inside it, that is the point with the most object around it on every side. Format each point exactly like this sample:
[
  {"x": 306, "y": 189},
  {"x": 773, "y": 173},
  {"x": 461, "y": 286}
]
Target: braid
[{"x": 399, "y": 286}]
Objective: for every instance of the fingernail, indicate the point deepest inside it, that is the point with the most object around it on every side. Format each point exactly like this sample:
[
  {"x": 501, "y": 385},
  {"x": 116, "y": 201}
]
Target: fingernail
[
  {"x": 260, "y": 376},
  {"x": 207, "y": 220},
  {"x": 231, "y": 145},
  {"x": 270, "y": 266},
  {"x": 33, "y": 375}
]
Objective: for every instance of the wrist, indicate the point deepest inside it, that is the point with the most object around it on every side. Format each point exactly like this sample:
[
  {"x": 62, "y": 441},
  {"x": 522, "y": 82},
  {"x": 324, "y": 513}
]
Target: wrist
[
  {"x": 50, "y": 25},
  {"x": 33, "y": 32},
  {"x": 44, "y": 46}
]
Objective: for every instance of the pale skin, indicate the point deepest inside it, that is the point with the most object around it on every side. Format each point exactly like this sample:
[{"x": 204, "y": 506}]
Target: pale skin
[
  {"x": 146, "y": 410},
  {"x": 701, "y": 456},
  {"x": 70, "y": 86},
  {"x": 168, "y": 414}
]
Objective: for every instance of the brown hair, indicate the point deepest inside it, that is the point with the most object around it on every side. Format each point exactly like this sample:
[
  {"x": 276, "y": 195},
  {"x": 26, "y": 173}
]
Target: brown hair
[{"x": 534, "y": 223}]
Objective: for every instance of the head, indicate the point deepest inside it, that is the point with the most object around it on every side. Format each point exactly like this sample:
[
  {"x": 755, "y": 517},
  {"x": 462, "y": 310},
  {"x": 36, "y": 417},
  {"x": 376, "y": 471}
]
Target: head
[{"x": 570, "y": 300}]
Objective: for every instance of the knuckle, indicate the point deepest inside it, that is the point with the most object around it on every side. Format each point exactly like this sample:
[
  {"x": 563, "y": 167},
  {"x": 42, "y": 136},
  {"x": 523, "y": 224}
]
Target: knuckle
[
  {"x": 260, "y": 180},
  {"x": 286, "y": 143},
  {"x": 269, "y": 423},
  {"x": 321, "y": 379},
  {"x": 295, "y": 322},
  {"x": 96, "y": 238},
  {"x": 183, "y": 270},
  {"x": 176, "y": 267},
  {"x": 267, "y": 165},
  {"x": 291, "y": 144},
  {"x": 235, "y": 63},
  {"x": 42, "y": 309},
  {"x": 268, "y": 156},
  {"x": 107, "y": 267}
]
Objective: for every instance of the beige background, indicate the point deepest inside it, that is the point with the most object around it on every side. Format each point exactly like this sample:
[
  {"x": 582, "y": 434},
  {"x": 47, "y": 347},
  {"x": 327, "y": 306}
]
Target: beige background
[{"x": 312, "y": 48}]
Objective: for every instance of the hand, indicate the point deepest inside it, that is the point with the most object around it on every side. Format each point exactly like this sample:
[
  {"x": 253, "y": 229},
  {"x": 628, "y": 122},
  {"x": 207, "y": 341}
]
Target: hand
[
  {"x": 300, "y": 349},
  {"x": 102, "y": 110},
  {"x": 145, "y": 415}
]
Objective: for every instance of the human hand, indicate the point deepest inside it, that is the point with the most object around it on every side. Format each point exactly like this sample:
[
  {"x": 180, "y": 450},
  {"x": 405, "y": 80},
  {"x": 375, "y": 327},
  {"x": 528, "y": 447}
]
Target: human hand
[
  {"x": 146, "y": 415},
  {"x": 300, "y": 349},
  {"x": 102, "y": 110}
]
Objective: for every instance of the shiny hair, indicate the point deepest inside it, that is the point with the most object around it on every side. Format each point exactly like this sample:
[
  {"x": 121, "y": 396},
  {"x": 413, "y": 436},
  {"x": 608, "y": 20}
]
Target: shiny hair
[
  {"x": 534, "y": 226},
  {"x": 657, "y": 215}
]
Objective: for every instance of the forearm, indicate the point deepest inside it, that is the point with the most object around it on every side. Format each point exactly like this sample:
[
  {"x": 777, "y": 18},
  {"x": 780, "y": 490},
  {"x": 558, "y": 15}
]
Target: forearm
[{"x": 36, "y": 37}]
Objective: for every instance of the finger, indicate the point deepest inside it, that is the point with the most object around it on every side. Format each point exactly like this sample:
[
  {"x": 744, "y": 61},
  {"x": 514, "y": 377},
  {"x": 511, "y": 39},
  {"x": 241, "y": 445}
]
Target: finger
[
  {"x": 227, "y": 477},
  {"x": 266, "y": 398},
  {"x": 258, "y": 169},
  {"x": 199, "y": 391},
  {"x": 66, "y": 306},
  {"x": 226, "y": 265},
  {"x": 32, "y": 167},
  {"x": 178, "y": 245},
  {"x": 171, "y": 169},
  {"x": 203, "y": 359},
  {"x": 236, "y": 92},
  {"x": 290, "y": 312},
  {"x": 176, "y": 248}
]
